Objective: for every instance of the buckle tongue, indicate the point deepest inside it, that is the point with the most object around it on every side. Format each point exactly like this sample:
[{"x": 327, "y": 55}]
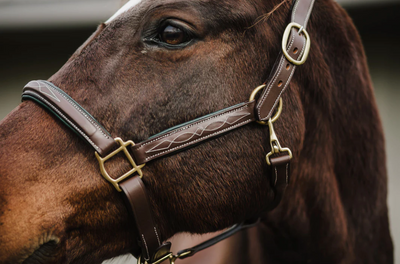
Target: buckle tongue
[{"x": 135, "y": 168}]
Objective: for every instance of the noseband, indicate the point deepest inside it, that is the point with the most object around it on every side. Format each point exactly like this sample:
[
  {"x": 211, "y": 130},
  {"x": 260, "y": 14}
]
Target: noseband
[{"x": 295, "y": 50}]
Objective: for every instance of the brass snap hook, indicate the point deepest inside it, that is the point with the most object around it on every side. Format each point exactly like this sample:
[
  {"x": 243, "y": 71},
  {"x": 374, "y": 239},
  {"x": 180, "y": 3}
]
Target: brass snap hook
[{"x": 276, "y": 147}]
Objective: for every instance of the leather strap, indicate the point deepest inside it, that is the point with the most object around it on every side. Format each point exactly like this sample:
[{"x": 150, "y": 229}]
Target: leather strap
[
  {"x": 283, "y": 69},
  {"x": 138, "y": 203},
  {"x": 224, "y": 235},
  {"x": 71, "y": 113},
  {"x": 280, "y": 167},
  {"x": 194, "y": 132}
]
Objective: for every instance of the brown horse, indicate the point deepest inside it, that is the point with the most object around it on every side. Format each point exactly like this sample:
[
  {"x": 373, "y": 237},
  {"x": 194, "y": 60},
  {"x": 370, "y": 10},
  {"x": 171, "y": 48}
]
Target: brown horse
[{"x": 56, "y": 208}]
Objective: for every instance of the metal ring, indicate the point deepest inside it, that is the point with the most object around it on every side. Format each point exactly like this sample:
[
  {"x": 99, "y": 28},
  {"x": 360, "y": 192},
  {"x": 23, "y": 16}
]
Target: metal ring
[
  {"x": 253, "y": 96},
  {"x": 255, "y": 91},
  {"x": 280, "y": 106},
  {"x": 278, "y": 112}
]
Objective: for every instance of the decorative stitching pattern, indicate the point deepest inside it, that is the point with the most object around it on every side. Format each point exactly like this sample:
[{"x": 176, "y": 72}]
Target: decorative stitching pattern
[
  {"x": 189, "y": 126},
  {"x": 52, "y": 95},
  {"x": 199, "y": 132},
  {"x": 199, "y": 139},
  {"x": 66, "y": 119}
]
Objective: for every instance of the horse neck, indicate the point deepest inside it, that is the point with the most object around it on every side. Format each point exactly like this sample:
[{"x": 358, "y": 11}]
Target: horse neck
[{"x": 338, "y": 187}]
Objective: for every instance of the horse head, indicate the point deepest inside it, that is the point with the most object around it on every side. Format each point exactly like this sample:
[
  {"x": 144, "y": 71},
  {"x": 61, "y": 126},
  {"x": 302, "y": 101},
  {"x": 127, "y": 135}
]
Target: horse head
[{"x": 158, "y": 64}]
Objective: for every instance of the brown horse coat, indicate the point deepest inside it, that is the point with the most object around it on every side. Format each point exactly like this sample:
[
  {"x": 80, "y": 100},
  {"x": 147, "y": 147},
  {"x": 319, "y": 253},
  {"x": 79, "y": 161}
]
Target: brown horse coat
[{"x": 53, "y": 200}]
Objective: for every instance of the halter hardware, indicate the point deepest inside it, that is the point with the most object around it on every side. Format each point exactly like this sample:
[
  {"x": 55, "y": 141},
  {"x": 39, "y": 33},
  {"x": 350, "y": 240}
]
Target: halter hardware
[
  {"x": 135, "y": 168},
  {"x": 276, "y": 147},
  {"x": 171, "y": 257},
  {"x": 285, "y": 43}
]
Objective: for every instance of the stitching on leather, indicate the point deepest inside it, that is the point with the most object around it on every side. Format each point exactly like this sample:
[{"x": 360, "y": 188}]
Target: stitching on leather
[
  {"x": 82, "y": 113},
  {"x": 189, "y": 126},
  {"x": 69, "y": 121},
  {"x": 49, "y": 88},
  {"x": 280, "y": 67},
  {"x": 275, "y": 78},
  {"x": 276, "y": 176},
  {"x": 309, "y": 13},
  {"x": 199, "y": 139},
  {"x": 148, "y": 254},
  {"x": 291, "y": 43},
  {"x": 295, "y": 10},
  {"x": 287, "y": 173},
  {"x": 284, "y": 88},
  {"x": 289, "y": 79},
  {"x": 155, "y": 231},
  {"x": 195, "y": 133},
  {"x": 273, "y": 83}
]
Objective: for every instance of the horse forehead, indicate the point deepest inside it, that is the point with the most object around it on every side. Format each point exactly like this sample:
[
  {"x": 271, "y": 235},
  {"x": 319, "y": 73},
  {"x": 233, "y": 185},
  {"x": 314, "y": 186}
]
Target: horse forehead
[
  {"x": 128, "y": 6},
  {"x": 135, "y": 3}
]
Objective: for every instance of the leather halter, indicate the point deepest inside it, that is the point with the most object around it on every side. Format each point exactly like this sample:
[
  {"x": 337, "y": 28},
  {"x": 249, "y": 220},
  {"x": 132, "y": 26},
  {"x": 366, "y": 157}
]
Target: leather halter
[{"x": 295, "y": 48}]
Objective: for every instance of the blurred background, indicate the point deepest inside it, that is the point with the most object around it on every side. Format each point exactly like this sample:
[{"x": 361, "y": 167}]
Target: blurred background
[{"x": 37, "y": 37}]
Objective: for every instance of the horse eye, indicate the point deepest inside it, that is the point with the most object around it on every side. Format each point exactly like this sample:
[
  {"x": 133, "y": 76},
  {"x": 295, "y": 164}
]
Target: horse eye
[{"x": 173, "y": 35}]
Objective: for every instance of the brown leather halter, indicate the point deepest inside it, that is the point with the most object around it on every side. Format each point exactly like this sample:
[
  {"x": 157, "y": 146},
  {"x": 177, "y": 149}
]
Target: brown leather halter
[{"x": 295, "y": 49}]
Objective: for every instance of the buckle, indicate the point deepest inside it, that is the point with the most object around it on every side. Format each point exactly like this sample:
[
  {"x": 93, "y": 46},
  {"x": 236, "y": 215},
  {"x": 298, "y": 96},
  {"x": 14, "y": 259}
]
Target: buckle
[
  {"x": 285, "y": 42},
  {"x": 135, "y": 168}
]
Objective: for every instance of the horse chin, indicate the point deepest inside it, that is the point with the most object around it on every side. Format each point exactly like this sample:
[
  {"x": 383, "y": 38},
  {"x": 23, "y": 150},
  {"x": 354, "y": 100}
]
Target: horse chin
[{"x": 45, "y": 252}]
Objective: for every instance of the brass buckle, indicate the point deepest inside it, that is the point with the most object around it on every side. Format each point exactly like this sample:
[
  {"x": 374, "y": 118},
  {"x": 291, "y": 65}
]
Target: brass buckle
[
  {"x": 285, "y": 42},
  {"x": 135, "y": 168}
]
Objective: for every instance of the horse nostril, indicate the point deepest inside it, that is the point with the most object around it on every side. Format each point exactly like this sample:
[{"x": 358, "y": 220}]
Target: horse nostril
[{"x": 44, "y": 254}]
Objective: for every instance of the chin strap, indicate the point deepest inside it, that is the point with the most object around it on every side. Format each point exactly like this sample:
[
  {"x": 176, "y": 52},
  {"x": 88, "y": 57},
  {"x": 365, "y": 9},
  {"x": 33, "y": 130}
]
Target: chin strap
[{"x": 295, "y": 49}]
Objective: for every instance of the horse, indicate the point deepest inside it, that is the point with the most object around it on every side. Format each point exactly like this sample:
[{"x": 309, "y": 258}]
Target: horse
[{"x": 160, "y": 63}]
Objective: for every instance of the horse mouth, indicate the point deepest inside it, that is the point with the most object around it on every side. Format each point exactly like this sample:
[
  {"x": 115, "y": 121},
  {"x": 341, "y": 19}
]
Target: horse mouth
[{"x": 45, "y": 253}]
